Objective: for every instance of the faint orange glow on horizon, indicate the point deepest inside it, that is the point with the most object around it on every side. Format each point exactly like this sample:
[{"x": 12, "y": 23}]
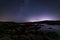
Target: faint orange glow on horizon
[{"x": 4, "y": 20}]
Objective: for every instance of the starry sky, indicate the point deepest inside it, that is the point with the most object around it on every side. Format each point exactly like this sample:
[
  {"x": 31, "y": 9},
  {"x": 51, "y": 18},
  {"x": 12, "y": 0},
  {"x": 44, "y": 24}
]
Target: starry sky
[{"x": 29, "y": 10}]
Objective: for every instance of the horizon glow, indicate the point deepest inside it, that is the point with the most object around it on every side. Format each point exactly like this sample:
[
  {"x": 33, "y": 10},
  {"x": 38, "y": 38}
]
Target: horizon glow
[{"x": 40, "y": 19}]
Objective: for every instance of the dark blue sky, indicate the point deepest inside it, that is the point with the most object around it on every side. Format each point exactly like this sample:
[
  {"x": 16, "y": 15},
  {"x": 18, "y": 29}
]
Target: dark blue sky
[{"x": 28, "y": 10}]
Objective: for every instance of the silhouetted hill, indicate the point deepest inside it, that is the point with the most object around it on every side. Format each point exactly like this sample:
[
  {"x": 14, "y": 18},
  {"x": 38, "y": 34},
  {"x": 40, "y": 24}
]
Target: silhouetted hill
[
  {"x": 52, "y": 22},
  {"x": 49, "y": 22}
]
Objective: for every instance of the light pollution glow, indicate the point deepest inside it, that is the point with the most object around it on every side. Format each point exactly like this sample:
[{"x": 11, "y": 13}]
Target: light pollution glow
[
  {"x": 40, "y": 19},
  {"x": 3, "y": 20}
]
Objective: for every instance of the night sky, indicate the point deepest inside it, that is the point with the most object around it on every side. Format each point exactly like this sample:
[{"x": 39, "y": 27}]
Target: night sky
[{"x": 29, "y": 10}]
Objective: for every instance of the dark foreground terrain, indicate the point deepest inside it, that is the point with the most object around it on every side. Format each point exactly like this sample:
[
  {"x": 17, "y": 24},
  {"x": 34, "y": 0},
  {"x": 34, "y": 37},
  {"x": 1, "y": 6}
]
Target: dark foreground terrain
[{"x": 44, "y": 30}]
